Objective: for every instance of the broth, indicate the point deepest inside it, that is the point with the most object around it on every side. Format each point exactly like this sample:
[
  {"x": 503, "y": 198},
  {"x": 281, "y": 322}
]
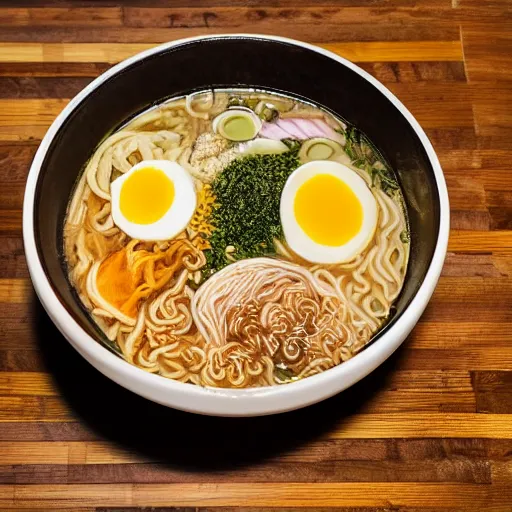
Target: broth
[{"x": 278, "y": 255}]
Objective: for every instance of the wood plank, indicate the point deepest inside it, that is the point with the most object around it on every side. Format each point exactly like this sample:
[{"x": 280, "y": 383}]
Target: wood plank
[
  {"x": 417, "y": 400},
  {"x": 61, "y": 16},
  {"x": 27, "y": 383},
  {"x": 476, "y": 6},
  {"x": 447, "y": 139},
  {"x": 22, "y": 133},
  {"x": 18, "y": 335},
  {"x": 33, "y": 408},
  {"x": 466, "y": 193},
  {"x": 488, "y": 48},
  {"x": 472, "y": 265},
  {"x": 65, "y": 453},
  {"x": 424, "y": 98},
  {"x": 29, "y": 87},
  {"x": 114, "y": 52},
  {"x": 494, "y": 136},
  {"x": 58, "y": 16},
  {"x": 10, "y": 221},
  {"x": 501, "y": 217},
  {"x": 21, "y": 360},
  {"x": 469, "y": 289},
  {"x": 15, "y": 291},
  {"x": 107, "y": 463},
  {"x": 429, "y": 380},
  {"x": 15, "y": 161},
  {"x": 476, "y": 159},
  {"x": 450, "y": 335},
  {"x": 463, "y": 471},
  {"x": 53, "y": 69},
  {"x": 397, "y": 52},
  {"x": 40, "y": 431},
  {"x": 413, "y": 72},
  {"x": 359, "y": 23},
  {"x": 405, "y": 451},
  {"x": 412, "y": 449},
  {"x": 490, "y": 179},
  {"x": 484, "y": 220},
  {"x": 437, "y": 4},
  {"x": 12, "y": 258},
  {"x": 11, "y": 195},
  {"x": 499, "y": 199},
  {"x": 324, "y": 34},
  {"x": 502, "y": 472},
  {"x": 480, "y": 241},
  {"x": 94, "y": 509},
  {"x": 264, "y": 494},
  {"x": 288, "y": 509},
  {"x": 488, "y": 358},
  {"x": 503, "y": 261},
  {"x": 151, "y": 17},
  {"x": 491, "y": 119},
  {"x": 493, "y": 391},
  {"x": 420, "y": 425},
  {"x": 30, "y": 112},
  {"x": 470, "y": 220}
]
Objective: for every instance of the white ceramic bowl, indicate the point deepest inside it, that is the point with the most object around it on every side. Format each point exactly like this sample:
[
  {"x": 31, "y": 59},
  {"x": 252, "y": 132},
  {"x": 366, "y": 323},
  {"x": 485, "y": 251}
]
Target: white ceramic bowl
[{"x": 273, "y": 63}]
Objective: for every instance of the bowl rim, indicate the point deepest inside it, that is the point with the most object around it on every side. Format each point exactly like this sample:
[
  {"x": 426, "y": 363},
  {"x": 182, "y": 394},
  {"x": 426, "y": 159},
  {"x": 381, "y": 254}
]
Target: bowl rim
[{"x": 231, "y": 402}]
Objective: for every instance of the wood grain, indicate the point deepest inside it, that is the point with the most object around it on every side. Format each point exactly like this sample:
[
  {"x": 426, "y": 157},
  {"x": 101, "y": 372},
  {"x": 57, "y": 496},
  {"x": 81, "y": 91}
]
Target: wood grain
[
  {"x": 428, "y": 431},
  {"x": 259, "y": 495},
  {"x": 114, "y": 52}
]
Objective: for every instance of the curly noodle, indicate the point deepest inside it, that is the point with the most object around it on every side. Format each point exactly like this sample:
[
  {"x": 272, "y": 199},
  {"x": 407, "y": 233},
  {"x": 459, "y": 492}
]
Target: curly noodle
[{"x": 257, "y": 322}]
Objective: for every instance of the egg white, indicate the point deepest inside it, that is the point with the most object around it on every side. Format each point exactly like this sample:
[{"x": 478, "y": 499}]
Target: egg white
[
  {"x": 297, "y": 238},
  {"x": 175, "y": 220}
]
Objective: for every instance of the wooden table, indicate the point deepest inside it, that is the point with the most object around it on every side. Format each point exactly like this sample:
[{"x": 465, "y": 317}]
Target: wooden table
[{"x": 431, "y": 430}]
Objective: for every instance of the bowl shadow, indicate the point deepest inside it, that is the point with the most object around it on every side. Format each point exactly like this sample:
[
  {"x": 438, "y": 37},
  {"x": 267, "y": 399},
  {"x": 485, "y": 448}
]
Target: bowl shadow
[{"x": 159, "y": 433}]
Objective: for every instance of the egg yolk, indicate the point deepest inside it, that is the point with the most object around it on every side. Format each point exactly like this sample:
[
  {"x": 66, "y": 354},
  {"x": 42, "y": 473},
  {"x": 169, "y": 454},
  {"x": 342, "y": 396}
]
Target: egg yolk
[
  {"x": 327, "y": 210},
  {"x": 146, "y": 196}
]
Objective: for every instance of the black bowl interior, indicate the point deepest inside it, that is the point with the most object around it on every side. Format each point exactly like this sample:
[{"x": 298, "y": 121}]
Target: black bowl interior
[{"x": 223, "y": 62}]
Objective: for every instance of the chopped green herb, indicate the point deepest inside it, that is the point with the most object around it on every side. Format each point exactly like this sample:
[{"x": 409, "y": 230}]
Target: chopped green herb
[
  {"x": 268, "y": 112},
  {"x": 293, "y": 144},
  {"x": 283, "y": 374},
  {"x": 405, "y": 236},
  {"x": 365, "y": 156},
  {"x": 238, "y": 101},
  {"x": 247, "y": 219},
  {"x": 360, "y": 162}
]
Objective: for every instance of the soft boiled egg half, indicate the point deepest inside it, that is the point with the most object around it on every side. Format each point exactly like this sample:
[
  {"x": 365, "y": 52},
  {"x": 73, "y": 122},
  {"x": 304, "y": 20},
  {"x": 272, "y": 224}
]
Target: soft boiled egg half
[
  {"x": 154, "y": 200},
  {"x": 328, "y": 213}
]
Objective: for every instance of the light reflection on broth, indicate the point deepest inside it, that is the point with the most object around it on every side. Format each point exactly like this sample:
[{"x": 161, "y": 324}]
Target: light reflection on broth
[{"x": 227, "y": 302}]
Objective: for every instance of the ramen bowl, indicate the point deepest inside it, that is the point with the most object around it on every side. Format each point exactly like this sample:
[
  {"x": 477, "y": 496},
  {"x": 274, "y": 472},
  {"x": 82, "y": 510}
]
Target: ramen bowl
[{"x": 262, "y": 62}]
